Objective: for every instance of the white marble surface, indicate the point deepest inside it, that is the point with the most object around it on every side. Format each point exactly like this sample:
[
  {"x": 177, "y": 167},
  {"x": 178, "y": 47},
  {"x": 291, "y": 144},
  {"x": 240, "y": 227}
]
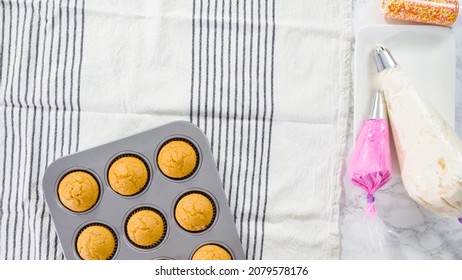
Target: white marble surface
[{"x": 419, "y": 233}]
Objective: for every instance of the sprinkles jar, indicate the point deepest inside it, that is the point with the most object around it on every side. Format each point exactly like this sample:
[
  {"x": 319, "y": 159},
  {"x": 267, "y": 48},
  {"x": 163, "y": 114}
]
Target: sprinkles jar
[{"x": 439, "y": 12}]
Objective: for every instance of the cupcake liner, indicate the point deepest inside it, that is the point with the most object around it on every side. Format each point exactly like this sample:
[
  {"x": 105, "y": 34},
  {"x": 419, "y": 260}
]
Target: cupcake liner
[
  {"x": 73, "y": 171},
  {"x": 222, "y": 246},
  {"x": 214, "y": 209},
  {"x": 195, "y": 150},
  {"x": 116, "y": 240},
  {"x": 148, "y": 170},
  {"x": 164, "y": 233}
]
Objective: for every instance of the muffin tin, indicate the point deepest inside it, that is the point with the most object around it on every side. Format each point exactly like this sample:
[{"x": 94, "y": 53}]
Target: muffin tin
[{"x": 160, "y": 194}]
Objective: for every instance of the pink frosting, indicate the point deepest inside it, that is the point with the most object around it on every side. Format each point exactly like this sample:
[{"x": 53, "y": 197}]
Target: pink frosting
[{"x": 370, "y": 164}]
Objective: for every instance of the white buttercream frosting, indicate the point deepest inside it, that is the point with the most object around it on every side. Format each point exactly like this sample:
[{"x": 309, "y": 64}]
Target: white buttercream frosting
[{"x": 429, "y": 151}]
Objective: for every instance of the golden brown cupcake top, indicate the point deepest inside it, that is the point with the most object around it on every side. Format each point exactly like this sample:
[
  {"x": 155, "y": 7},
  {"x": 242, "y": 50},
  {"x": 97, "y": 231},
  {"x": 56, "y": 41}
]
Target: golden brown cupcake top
[
  {"x": 177, "y": 159},
  {"x": 96, "y": 242},
  {"x": 211, "y": 252},
  {"x": 194, "y": 212},
  {"x": 145, "y": 228},
  {"x": 78, "y": 191},
  {"x": 128, "y": 175}
]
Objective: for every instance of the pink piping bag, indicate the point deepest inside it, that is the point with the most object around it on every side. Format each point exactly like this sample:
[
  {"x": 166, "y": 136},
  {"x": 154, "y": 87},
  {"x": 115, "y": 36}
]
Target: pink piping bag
[
  {"x": 370, "y": 164},
  {"x": 370, "y": 168}
]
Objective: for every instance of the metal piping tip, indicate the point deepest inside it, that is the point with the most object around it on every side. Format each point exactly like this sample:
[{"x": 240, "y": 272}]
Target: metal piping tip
[
  {"x": 383, "y": 58},
  {"x": 379, "y": 107}
]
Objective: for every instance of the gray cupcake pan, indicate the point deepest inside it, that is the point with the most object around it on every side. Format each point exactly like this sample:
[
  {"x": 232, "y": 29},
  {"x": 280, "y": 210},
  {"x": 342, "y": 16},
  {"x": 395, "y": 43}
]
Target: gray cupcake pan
[{"x": 161, "y": 193}]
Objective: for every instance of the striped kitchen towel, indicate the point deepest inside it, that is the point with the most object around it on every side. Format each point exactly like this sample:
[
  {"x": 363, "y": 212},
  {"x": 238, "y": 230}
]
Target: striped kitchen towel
[{"x": 268, "y": 82}]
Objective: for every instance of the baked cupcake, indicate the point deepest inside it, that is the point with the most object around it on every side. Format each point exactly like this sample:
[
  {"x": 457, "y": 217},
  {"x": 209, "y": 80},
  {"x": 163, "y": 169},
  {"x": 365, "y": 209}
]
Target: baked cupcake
[
  {"x": 78, "y": 191},
  {"x": 177, "y": 159},
  {"x": 96, "y": 242},
  {"x": 128, "y": 175},
  {"x": 145, "y": 228},
  {"x": 211, "y": 252},
  {"x": 195, "y": 212}
]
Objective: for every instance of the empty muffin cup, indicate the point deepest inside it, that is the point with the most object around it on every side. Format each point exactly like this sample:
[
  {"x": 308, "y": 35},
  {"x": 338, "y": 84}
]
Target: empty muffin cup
[
  {"x": 78, "y": 191},
  {"x": 128, "y": 174},
  {"x": 178, "y": 158},
  {"x": 195, "y": 211},
  {"x": 96, "y": 242},
  {"x": 211, "y": 252},
  {"x": 145, "y": 227}
]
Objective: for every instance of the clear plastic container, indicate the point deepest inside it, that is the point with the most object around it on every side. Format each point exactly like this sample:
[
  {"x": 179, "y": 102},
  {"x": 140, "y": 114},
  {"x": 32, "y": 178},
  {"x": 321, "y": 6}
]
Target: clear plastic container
[{"x": 439, "y": 12}]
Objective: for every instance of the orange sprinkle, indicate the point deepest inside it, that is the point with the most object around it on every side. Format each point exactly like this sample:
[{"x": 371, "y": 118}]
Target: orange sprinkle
[{"x": 439, "y": 12}]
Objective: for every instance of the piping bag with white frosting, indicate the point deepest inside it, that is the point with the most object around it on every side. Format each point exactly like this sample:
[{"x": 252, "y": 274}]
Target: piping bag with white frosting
[
  {"x": 428, "y": 149},
  {"x": 370, "y": 169}
]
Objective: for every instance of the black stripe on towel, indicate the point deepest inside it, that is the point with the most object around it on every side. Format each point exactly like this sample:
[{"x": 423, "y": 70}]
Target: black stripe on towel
[
  {"x": 5, "y": 127},
  {"x": 228, "y": 103},
  {"x": 249, "y": 128},
  {"x": 207, "y": 60},
  {"x": 34, "y": 126},
  {"x": 193, "y": 23},
  {"x": 37, "y": 226},
  {"x": 23, "y": 140},
  {"x": 82, "y": 32},
  {"x": 260, "y": 172},
  {"x": 11, "y": 230},
  {"x": 239, "y": 125},
  {"x": 2, "y": 190},
  {"x": 4, "y": 83},
  {"x": 199, "y": 84},
  {"x": 252, "y": 24},
  {"x": 270, "y": 120},
  {"x": 241, "y": 113},
  {"x": 236, "y": 89},
  {"x": 51, "y": 248},
  {"x": 38, "y": 222},
  {"x": 26, "y": 190},
  {"x": 71, "y": 86},
  {"x": 66, "y": 98},
  {"x": 14, "y": 130},
  {"x": 221, "y": 91},
  {"x": 45, "y": 223},
  {"x": 215, "y": 28}
]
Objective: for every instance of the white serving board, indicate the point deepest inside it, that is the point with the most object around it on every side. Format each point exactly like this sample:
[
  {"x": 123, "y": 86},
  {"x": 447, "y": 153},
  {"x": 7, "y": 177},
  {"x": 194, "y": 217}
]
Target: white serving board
[{"x": 425, "y": 53}]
